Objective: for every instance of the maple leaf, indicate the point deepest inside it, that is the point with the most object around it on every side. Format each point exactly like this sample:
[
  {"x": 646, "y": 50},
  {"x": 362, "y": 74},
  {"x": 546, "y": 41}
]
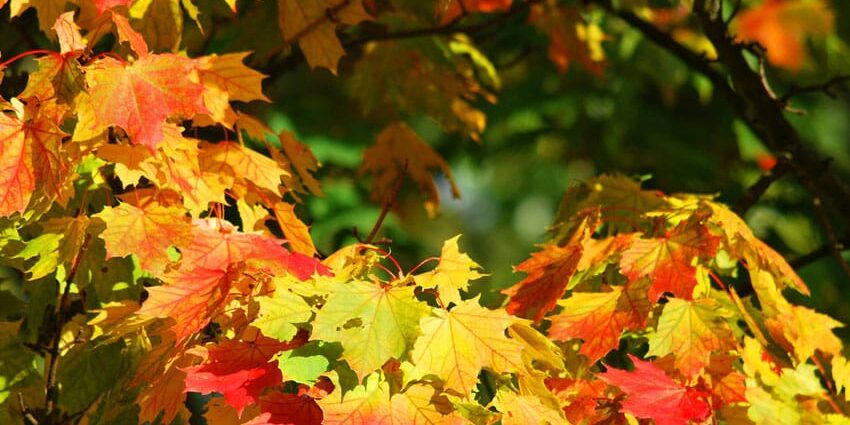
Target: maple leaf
[
  {"x": 58, "y": 244},
  {"x": 279, "y": 312},
  {"x": 740, "y": 241},
  {"x": 782, "y": 27},
  {"x": 600, "y": 318},
  {"x": 455, "y": 345},
  {"x": 162, "y": 381},
  {"x": 190, "y": 298},
  {"x": 373, "y": 323},
  {"x": 802, "y": 331},
  {"x": 368, "y": 403},
  {"x": 571, "y": 38},
  {"x": 691, "y": 331},
  {"x": 654, "y": 395},
  {"x": 181, "y": 169},
  {"x": 288, "y": 409},
  {"x": 68, "y": 33},
  {"x": 128, "y": 34},
  {"x": 452, "y": 274},
  {"x": 139, "y": 97},
  {"x": 580, "y": 398},
  {"x": 58, "y": 80},
  {"x": 104, "y": 5},
  {"x": 146, "y": 230},
  {"x": 245, "y": 165},
  {"x": 48, "y": 11},
  {"x": 238, "y": 370},
  {"x": 217, "y": 243},
  {"x": 312, "y": 23},
  {"x": 226, "y": 78},
  {"x": 619, "y": 202},
  {"x": 399, "y": 150},
  {"x": 418, "y": 405},
  {"x": 301, "y": 159},
  {"x": 17, "y": 181},
  {"x": 296, "y": 232},
  {"x": 521, "y": 409},
  {"x": 667, "y": 260},
  {"x": 549, "y": 270},
  {"x": 161, "y": 22}
]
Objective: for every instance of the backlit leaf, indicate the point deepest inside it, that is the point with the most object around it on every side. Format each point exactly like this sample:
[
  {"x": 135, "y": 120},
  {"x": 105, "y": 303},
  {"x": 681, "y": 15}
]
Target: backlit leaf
[
  {"x": 373, "y": 323},
  {"x": 457, "y": 344},
  {"x": 398, "y": 151},
  {"x": 139, "y": 97},
  {"x": 653, "y": 395}
]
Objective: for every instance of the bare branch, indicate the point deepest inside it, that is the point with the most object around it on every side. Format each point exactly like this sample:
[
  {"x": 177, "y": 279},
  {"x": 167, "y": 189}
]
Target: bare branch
[
  {"x": 805, "y": 260},
  {"x": 757, "y": 190},
  {"x": 825, "y": 88},
  {"x": 51, "y": 393}
]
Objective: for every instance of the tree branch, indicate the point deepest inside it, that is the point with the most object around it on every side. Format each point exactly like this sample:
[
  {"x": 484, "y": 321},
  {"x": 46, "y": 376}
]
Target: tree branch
[
  {"x": 51, "y": 393},
  {"x": 825, "y": 87},
  {"x": 757, "y": 190},
  {"x": 762, "y": 111},
  {"x": 805, "y": 260}
]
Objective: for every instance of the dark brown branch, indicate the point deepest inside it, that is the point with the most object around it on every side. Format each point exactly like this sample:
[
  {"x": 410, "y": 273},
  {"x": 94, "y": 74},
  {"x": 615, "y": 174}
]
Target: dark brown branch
[
  {"x": 757, "y": 190},
  {"x": 825, "y": 88},
  {"x": 826, "y": 250},
  {"x": 51, "y": 393},
  {"x": 449, "y": 28},
  {"x": 330, "y": 14},
  {"x": 750, "y": 97},
  {"x": 693, "y": 60},
  {"x": 834, "y": 247},
  {"x": 763, "y": 112}
]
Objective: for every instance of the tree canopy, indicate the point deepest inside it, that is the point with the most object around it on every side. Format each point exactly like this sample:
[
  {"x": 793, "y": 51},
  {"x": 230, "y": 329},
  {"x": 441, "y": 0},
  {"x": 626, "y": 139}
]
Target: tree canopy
[{"x": 250, "y": 212}]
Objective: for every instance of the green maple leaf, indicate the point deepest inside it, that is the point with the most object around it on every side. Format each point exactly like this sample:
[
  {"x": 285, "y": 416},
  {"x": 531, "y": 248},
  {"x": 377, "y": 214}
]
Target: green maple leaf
[
  {"x": 374, "y": 323},
  {"x": 280, "y": 312}
]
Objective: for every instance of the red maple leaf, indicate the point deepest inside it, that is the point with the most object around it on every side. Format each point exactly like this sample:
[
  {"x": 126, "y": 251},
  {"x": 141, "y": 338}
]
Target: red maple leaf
[
  {"x": 238, "y": 370},
  {"x": 667, "y": 260},
  {"x": 600, "y": 318},
  {"x": 218, "y": 244},
  {"x": 288, "y": 409},
  {"x": 104, "y": 5},
  {"x": 654, "y": 395},
  {"x": 549, "y": 271}
]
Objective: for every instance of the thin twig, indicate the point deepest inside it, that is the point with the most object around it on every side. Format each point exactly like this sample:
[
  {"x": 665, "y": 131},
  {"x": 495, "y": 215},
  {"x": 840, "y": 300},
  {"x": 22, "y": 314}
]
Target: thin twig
[
  {"x": 28, "y": 417},
  {"x": 825, "y": 87},
  {"x": 757, "y": 190},
  {"x": 819, "y": 253},
  {"x": 388, "y": 203},
  {"x": 51, "y": 394},
  {"x": 834, "y": 246},
  {"x": 329, "y": 15}
]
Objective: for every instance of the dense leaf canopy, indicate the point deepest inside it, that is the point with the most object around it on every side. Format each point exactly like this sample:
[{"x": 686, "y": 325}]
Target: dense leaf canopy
[{"x": 248, "y": 212}]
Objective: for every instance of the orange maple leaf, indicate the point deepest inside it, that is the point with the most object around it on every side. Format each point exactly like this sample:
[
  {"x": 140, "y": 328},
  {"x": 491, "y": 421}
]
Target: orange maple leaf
[
  {"x": 599, "y": 318},
  {"x": 667, "y": 260},
  {"x": 781, "y": 26},
  {"x": 139, "y": 97}
]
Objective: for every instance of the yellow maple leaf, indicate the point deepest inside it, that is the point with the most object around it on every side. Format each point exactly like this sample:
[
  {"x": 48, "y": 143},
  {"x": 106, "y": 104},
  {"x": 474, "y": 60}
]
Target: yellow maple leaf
[
  {"x": 313, "y": 23},
  {"x": 455, "y": 345},
  {"x": 452, "y": 274}
]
